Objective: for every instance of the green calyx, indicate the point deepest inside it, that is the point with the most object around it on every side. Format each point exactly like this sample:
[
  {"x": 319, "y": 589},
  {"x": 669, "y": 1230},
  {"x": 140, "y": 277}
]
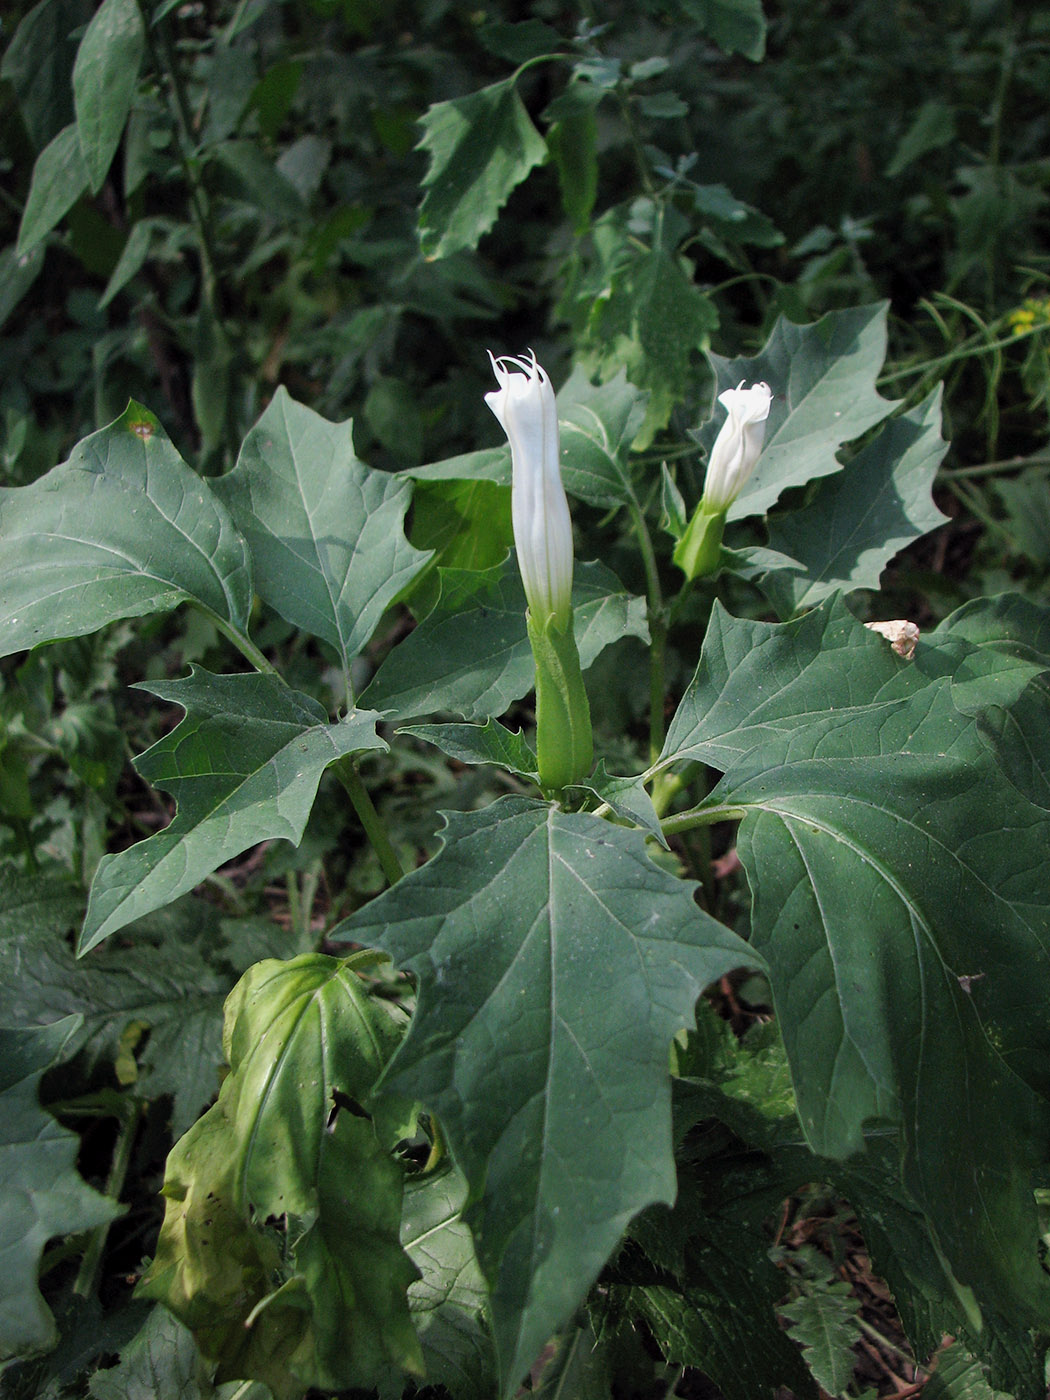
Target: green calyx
[
  {"x": 564, "y": 745},
  {"x": 697, "y": 552}
]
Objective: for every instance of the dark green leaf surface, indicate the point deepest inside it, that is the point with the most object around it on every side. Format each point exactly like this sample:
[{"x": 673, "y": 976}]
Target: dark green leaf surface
[
  {"x": 822, "y": 1321},
  {"x": 104, "y": 80},
  {"x": 448, "y": 1301},
  {"x": 243, "y": 767},
  {"x": 60, "y": 177},
  {"x": 121, "y": 529},
  {"x": 480, "y": 147},
  {"x": 471, "y": 654},
  {"x": 168, "y": 990},
  {"x": 736, "y": 26},
  {"x": 490, "y": 742},
  {"x": 41, "y": 1193},
  {"x": 325, "y": 531},
  {"x": 900, "y": 892},
  {"x": 598, "y": 424},
  {"x": 860, "y": 518},
  {"x": 555, "y": 963},
  {"x": 823, "y": 382}
]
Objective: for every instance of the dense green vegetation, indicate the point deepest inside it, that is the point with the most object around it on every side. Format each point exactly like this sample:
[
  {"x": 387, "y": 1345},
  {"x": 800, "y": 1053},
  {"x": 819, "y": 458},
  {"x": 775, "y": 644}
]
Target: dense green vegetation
[{"x": 402, "y": 1077}]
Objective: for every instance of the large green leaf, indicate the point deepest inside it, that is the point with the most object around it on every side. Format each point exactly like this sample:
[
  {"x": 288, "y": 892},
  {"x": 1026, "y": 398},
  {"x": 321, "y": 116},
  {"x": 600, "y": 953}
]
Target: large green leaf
[
  {"x": 121, "y": 529},
  {"x": 243, "y": 767},
  {"x": 286, "y": 1142},
  {"x": 902, "y": 897},
  {"x": 555, "y": 962},
  {"x": 41, "y": 1193},
  {"x": 823, "y": 382},
  {"x": 38, "y": 64},
  {"x": 325, "y": 531},
  {"x": 104, "y": 80},
  {"x": 480, "y": 147},
  {"x": 859, "y": 519},
  {"x": 471, "y": 653}
]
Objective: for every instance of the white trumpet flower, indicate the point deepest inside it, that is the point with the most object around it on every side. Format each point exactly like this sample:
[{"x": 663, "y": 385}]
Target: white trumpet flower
[
  {"x": 524, "y": 405},
  {"x": 737, "y": 446}
]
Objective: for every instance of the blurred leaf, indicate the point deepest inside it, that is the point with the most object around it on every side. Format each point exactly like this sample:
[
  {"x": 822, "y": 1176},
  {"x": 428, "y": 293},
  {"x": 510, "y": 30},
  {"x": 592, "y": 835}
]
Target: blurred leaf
[
  {"x": 480, "y": 147},
  {"x": 41, "y": 1192},
  {"x": 246, "y": 173},
  {"x": 548, "y": 1069},
  {"x": 243, "y": 767},
  {"x": 105, "y": 77},
  {"x": 932, "y": 128},
  {"x": 60, "y": 177},
  {"x": 736, "y": 26},
  {"x": 858, "y": 520},
  {"x": 325, "y": 531},
  {"x": 47, "y": 903},
  {"x": 572, "y": 140},
  {"x": 38, "y": 63},
  {"x": 17, "y": 275},
  {"x": 471, "y": 654},
  {"x": 121, "y": 529}
]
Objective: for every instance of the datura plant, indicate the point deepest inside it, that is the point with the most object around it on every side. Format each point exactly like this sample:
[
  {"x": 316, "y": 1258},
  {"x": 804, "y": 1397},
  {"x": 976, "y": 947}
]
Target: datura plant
[{"x": 536, "y": 1103}]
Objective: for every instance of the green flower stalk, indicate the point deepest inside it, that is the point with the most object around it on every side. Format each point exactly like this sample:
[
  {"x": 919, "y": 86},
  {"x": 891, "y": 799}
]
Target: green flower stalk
[
  {"x": 733, "y": 459},
  {"x": 524, "y": 404}
]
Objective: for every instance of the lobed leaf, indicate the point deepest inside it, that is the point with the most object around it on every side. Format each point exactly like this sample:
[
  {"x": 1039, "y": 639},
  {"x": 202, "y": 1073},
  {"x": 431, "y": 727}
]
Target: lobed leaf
[
  {"x": 858, "y": 520},
  {"x": 480, "y": 147},
  {"x": 823, "y": 382},
  {"x": 325, "y": 531},
  {"x": 554, "y": 962},
  {"x": 41, "y": 1192},
  {"x": 121, "y": 529},
  {"x": 471, "y": 653},
  {"x": 243, "y": 766},
  {"x": 900, "y": 894}
]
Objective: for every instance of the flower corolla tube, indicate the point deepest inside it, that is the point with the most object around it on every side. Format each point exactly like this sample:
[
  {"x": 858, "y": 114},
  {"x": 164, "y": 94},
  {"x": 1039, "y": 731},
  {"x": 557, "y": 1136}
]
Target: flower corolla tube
[
  {"x": 524, "y": 404},
  {"x": 737, "y": 446}
]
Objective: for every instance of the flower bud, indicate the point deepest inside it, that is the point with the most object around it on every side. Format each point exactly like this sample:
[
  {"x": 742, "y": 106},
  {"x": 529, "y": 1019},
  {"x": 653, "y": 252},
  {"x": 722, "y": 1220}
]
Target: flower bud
[
  {"x": 737, "y": 445},
  {"x": 524, "y": 404},
  {"x": 733, "y": 459}
]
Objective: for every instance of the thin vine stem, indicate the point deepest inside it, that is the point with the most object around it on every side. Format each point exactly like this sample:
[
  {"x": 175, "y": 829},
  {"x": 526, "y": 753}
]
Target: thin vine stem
[{"x": 701, "y": 816}]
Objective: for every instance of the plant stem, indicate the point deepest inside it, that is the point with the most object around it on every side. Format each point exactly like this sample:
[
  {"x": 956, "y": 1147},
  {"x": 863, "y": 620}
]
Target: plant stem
[
  {"x": 118, "y": 1170},
  {"x": 701, "y": 816},
  {"x": 657, "y": 632},
  {"x": 244, "y": 644},
  {"x": 346, "y": 771}
]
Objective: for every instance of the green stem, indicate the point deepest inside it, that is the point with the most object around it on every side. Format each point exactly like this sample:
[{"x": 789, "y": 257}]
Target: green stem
[
  {"x": 701, "y": 816},
  {"x": 346, "y": 771},
  {"x": 244, "y": 645},
  {"x": 657, "y": 632},
  {"x": 118, "y": 1170}
]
